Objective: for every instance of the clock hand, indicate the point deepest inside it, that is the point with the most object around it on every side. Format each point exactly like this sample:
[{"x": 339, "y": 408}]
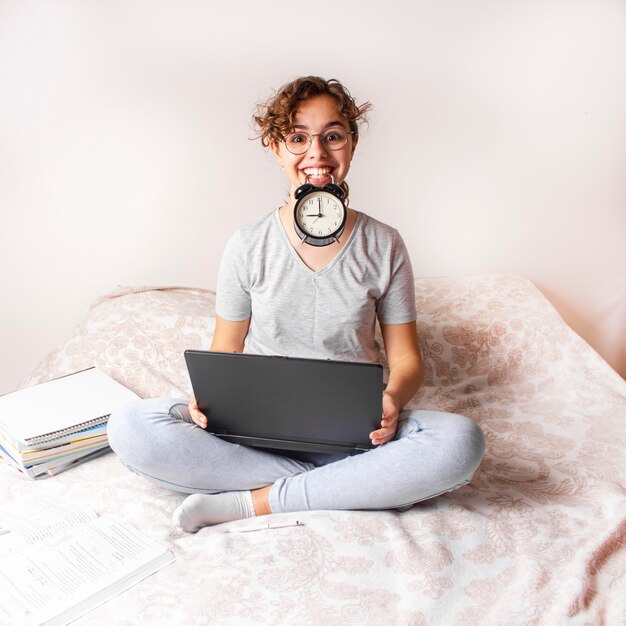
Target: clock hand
[
  {"x": 319, "y": 210},
  {"x": 315, "y": 215}
]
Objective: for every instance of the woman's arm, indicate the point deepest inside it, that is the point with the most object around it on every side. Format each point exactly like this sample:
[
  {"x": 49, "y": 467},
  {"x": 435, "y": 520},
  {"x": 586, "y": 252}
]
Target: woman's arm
[
  {"x": 405, "y": 376},
  {"x": 228, "y": 337}
]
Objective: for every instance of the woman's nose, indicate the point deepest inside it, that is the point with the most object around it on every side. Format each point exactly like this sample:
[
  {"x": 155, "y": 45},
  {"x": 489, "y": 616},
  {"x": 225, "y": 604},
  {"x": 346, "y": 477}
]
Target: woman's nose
[{"x": 317, "y": 146}]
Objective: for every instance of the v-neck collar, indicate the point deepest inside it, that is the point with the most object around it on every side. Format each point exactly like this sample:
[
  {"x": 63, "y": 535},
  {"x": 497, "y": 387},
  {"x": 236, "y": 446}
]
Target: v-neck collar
[{"x": 335, "y": 260}]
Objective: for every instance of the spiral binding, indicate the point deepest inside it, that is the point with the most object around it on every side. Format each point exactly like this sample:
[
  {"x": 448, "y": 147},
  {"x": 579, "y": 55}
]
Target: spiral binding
[{"x": 57, "y": 434}]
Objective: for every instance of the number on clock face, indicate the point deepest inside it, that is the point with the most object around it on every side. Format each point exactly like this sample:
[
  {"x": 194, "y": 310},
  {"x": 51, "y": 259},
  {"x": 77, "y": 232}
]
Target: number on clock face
[{"x": 320, "y": 215}]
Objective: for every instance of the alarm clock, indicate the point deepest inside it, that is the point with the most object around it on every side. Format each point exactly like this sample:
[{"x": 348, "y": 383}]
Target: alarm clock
[{"x": 319, "y": 215}]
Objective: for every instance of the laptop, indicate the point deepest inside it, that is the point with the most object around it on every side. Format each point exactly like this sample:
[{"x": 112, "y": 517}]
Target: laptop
[{"x": 288, "y": 403}]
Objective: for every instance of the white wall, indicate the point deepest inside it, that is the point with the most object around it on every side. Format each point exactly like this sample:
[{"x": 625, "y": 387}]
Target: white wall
[{"x": 497, "y": 145}]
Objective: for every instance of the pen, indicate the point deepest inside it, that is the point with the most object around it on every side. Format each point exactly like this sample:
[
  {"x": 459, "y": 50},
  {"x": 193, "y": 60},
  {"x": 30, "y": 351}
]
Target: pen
[{"x": 268, "y": 526}]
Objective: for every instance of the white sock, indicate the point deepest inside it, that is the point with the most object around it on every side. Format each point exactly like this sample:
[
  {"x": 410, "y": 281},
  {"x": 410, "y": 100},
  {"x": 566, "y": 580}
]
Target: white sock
[{"x": 200, "y": 510}]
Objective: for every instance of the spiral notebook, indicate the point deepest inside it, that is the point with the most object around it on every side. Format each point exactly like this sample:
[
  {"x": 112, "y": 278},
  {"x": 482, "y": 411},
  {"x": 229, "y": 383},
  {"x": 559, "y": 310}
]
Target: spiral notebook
[{"x": 49, "y": 413}]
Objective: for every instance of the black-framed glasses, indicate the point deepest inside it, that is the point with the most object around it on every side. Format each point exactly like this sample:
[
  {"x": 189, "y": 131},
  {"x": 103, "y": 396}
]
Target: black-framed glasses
[{"x": 300, "y": 141}]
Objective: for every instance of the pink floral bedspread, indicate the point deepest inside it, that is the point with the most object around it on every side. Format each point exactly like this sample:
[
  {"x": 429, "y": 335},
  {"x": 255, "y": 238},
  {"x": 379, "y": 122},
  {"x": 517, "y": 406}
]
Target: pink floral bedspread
[{"x": 537, "y": 538}]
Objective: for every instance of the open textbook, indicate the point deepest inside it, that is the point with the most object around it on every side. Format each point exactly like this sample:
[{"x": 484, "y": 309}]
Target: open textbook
[{"x": 57, "y": 562}]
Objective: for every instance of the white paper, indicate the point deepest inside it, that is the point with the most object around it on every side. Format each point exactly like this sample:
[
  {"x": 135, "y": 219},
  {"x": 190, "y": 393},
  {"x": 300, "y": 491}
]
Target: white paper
[
  {"x": 35, "y": 519},
  {"x": 62, "y": 577}
]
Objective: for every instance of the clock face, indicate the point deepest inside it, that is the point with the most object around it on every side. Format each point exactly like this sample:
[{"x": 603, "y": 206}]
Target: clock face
[{"x": 320, "y": 214}]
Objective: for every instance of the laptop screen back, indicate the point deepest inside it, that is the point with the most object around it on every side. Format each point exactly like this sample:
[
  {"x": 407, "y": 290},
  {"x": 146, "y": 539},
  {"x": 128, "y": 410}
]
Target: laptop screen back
[{"x": 324, "y": 403}]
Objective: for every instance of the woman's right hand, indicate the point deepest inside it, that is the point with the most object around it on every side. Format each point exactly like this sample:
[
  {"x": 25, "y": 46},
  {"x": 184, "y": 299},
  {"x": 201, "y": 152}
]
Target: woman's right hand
[
  {"x": 228, "y": 337},
  {"x": 197, "y": 416}
]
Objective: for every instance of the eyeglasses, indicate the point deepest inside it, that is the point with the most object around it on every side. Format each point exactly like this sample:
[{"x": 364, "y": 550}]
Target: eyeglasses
[{"x": 300, "y": 142}]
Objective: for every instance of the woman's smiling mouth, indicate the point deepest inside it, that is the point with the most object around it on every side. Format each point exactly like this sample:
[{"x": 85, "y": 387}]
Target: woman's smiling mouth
[{"x": 317, "y": 173}]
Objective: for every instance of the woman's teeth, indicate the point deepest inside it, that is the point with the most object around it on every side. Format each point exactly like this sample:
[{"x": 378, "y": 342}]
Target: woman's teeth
[{"x": 316, "y": 172}]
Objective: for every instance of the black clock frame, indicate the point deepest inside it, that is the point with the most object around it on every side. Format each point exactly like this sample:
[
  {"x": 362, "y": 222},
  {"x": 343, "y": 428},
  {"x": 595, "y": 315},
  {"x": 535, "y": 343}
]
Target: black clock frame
[{"x": 300, "y": 196}]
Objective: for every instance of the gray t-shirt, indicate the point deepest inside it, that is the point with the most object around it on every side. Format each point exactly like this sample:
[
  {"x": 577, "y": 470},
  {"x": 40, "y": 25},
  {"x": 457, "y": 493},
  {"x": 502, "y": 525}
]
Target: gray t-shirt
[{"x": 326, "y": 314}]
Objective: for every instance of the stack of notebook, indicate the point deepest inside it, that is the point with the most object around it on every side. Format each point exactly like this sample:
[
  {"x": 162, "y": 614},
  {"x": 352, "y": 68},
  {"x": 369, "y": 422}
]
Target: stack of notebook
[{"x": 50, "y": 427}]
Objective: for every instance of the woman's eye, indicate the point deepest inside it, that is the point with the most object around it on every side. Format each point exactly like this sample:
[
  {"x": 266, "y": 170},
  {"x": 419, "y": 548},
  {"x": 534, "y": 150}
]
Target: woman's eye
[
  {"x": 297, "y": 138},
  {"x": 334, "y": 136}
]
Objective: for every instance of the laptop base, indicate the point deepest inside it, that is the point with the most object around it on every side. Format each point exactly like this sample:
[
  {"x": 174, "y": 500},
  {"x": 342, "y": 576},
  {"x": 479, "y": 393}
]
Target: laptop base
[{"x": 299, "y": 446}]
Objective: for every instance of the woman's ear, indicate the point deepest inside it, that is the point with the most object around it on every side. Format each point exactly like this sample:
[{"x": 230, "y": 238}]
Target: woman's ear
[
  {"x": 355, "y": 140},
  {"x": 276, "y": 150}
]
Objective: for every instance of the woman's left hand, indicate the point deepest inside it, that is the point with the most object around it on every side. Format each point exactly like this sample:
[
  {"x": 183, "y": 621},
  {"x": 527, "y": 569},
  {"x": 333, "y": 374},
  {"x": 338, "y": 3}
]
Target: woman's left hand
[{"x": 389, "y": 424}]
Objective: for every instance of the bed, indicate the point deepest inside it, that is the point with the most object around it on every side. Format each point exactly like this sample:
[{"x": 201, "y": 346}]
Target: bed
[{"x": 538, "y": 537}]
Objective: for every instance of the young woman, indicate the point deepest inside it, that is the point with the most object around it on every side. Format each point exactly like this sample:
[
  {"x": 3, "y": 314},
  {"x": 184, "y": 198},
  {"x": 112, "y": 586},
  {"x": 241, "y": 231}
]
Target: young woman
[{"x": 316, "y": 302}]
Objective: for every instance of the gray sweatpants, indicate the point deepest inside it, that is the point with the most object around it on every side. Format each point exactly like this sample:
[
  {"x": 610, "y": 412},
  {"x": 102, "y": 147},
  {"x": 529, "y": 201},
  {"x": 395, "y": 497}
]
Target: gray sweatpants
[{"x": 432, "y": 453}]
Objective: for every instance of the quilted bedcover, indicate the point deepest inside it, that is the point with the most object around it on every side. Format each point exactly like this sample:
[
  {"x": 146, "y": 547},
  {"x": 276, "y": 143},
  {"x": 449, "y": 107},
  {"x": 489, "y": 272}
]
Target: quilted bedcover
[{"x": 538, "y": 537}]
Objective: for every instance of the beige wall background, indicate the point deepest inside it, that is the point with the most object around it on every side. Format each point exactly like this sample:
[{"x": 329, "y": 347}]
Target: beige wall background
[{"x": 497, "y": 144}]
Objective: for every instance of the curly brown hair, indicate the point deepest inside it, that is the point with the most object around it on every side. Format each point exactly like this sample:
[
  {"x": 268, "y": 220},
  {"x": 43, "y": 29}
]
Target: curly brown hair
[{"x": 275, "y": 118}]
